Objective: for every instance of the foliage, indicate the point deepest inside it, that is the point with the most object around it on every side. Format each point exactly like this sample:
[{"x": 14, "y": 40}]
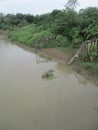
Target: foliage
[
  {"x": 66, "y": 21},
  {"x": 89, "y": 22},
  {"x": 91, "y": 32},
  {"x": 75, "y": 37},
  {"x": 11, "y": 20},
  {"x": 61, "y": 41},
  {"x": 30, "y": 35},
  {"x": 91, "y": 67},
  {"x": 92, "y": 53},
  {"x": 60, "y": 28}
]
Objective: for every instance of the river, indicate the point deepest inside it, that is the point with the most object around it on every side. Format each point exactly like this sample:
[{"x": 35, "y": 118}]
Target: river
[{"x": 28, "y": 102}]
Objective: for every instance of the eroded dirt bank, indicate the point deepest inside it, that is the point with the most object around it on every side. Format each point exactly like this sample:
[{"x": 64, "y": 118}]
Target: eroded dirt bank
[{"x": 57, "y": 54}]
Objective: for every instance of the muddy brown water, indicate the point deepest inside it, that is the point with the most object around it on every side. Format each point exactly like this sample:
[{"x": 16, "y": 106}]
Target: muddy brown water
[{"x": 28, "y": 102}]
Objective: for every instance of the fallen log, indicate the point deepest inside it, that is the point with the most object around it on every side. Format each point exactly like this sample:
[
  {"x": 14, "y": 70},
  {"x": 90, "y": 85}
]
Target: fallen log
[{"x": 75, "y": 56}]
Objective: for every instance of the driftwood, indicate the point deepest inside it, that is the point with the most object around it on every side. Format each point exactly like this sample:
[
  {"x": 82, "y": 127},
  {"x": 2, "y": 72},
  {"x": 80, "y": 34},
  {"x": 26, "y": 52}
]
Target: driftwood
[
  {"x": 48, "y": 74},
  {"x": 75, "y": 56}
]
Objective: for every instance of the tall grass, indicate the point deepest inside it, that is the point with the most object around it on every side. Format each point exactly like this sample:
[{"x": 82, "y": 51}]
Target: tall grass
[
  {"x": 91, "y": 67},
  {"x": 29, "y": 34},
  {"x": 32, "y": 34}
]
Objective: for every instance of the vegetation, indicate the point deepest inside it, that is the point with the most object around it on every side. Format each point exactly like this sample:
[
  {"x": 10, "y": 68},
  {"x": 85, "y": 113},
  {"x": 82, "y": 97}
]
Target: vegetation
[
  {"x": 31, "y": 35},
  {"x": 91, "y": 67},
  {"x": 60, "y": 28}
]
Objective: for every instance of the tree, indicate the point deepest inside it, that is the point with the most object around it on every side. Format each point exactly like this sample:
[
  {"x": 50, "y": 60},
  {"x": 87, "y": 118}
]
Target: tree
[
  {"x": 65, "y": 22},
  {"x": 89, "y": 22},
  {"x": 72, "y": 4}
]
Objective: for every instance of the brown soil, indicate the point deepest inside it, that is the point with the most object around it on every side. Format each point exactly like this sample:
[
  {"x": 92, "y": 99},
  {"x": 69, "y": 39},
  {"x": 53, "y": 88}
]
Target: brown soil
[{"x": 57, "y": 54}]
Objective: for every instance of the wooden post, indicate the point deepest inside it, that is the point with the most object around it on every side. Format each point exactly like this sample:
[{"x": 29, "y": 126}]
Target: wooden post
[
  {"x": 83, "y": 51},
  {"x": 97, "y": 47}
]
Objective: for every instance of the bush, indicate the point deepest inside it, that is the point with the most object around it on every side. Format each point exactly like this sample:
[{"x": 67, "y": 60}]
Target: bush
[
  {"x": 91, "y": 67},
  {"x": 61, "y": 41},
  {"x": 31, "y": 35}
]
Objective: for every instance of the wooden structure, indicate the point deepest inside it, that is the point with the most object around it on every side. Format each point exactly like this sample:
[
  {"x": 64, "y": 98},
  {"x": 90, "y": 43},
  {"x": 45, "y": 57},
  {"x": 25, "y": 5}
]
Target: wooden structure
[
  {"x": 87, "y": 47},
  {"x": 41, "y": 57}
]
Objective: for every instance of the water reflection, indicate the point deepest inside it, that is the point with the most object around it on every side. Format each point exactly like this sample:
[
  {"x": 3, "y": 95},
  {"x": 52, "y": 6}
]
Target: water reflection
[{"x": 40, "y": 58}]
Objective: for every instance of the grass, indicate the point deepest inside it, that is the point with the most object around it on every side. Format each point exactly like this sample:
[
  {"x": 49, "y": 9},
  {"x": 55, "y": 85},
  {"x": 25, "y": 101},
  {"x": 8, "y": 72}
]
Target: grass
[
  {"x": 29, "y": 34},
  {"x": 92, "y": 67},
  {"x": 32, "y": 34}
]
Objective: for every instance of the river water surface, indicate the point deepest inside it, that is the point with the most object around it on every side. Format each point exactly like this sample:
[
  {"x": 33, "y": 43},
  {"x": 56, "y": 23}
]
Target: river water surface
[{"x": 28, "y": 102}]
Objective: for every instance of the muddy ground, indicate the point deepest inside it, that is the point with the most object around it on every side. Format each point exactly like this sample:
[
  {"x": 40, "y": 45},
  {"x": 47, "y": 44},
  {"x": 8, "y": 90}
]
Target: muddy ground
[
  {"x": 58, "y": 55},
  {"x": 64, "y": 57}
]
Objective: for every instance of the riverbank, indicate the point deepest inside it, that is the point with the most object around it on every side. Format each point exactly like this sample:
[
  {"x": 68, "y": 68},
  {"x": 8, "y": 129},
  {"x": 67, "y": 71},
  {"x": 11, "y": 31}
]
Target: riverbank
[
  {"x": 87, "y": 69},
  {"x": 57, "y": 54},
  {"x": 63, "y": 55}
]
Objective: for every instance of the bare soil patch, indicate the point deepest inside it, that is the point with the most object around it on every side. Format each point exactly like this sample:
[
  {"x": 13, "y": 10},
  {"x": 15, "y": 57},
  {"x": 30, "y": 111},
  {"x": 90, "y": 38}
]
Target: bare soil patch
[{"x": 57, "y": 54}]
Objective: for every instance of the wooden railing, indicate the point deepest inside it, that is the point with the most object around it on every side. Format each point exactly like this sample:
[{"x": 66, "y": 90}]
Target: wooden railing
[
  {"x": 89, "y": 48},
  {"x": 87, "y": 51}
]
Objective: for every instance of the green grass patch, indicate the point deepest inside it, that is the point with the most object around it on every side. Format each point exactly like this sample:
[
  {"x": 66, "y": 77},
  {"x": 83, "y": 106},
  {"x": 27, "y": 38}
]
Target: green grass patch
[
  {"x": 30, "y": 35},
  {"x": 92, "y": 67}
]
